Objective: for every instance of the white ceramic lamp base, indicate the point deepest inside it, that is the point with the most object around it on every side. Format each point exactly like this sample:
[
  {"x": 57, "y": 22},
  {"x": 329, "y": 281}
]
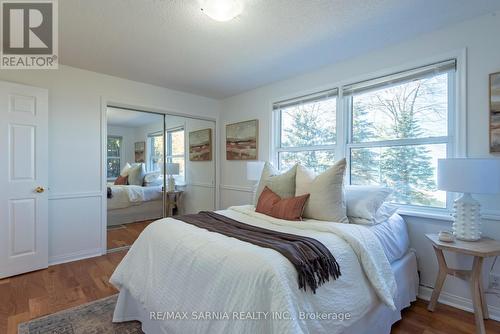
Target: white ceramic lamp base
[
  {"x": 467, "y": 225},
  {"x": 171, "y": 184}
]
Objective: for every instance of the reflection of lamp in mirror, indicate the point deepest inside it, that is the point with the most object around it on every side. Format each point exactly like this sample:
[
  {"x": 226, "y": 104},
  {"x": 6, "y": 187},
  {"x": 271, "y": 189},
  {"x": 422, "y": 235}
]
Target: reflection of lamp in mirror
[
  {"x": 172, "y": 169},
  {"x": 468, "y": 176}
]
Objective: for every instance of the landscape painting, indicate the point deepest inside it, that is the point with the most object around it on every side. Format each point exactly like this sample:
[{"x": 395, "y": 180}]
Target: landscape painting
[
  {"x": 200, "y": 145},
  {"x": 495, "y": 113},
  {"x": 242, "y": 140},
  {"x": 139, "y": 150}
]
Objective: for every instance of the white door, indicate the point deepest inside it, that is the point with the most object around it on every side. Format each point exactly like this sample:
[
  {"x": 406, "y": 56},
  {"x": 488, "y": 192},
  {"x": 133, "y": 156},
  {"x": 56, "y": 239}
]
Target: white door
[{"x": 23, "y": 179}]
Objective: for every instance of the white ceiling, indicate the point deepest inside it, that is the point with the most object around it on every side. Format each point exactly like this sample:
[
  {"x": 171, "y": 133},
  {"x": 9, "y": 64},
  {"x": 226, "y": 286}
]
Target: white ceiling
[
  {"x": 171, "y": 43},
  {"x": 131, "y": 119}
]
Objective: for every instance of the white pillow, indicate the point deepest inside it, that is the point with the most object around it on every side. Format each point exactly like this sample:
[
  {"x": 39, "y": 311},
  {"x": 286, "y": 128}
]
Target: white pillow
[
  {"x": 136, "y": 174},
  {"x": 282, "y": 184},
  {"x": 125, "y": 169},
  {"x": 363, "y": 202},
  {"x": 385, "y": 212},
  {"x": 151, "y": 177},
  {"x": 326, "y": 201}
]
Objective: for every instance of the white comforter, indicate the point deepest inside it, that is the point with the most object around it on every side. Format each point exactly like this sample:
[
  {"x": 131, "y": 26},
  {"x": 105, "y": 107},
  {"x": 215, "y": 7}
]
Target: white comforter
[
  {"x": 128, "y": 195},
  {"x": 177, "y": 267}
]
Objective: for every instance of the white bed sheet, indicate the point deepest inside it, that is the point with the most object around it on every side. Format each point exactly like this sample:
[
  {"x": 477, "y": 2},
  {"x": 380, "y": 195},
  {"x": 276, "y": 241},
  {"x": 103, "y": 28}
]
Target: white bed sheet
[
  {"x": 125, "y": 196},
  {"x": 174, "y": 266},
  {"x": 379, "y": 319},
  {"x": 393, "y": 236}
]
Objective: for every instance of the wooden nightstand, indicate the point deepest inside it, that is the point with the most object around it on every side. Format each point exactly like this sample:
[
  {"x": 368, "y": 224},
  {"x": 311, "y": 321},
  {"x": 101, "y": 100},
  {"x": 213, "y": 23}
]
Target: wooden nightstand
[
  {"x": 173, "y": 202},
  {"x": 479, "y": 250}
]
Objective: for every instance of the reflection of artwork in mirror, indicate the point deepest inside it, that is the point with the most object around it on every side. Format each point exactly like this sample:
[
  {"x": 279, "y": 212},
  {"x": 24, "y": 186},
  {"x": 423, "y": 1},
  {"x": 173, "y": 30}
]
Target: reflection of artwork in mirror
[
  {"x": 241, "y": 140},
  {"x": 495, "y": 112},
  {"x": 200, "y": 145},
  {"x": 140, "y": 148}
]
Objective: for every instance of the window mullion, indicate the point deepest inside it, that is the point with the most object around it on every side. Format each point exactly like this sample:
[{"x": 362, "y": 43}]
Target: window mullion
[{"x": 401, "y": 142}]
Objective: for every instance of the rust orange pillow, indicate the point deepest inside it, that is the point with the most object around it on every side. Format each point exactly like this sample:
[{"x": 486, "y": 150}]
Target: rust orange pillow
[
  {"x": 287, "y": 208},
  {"x": 121, "y": 180}
]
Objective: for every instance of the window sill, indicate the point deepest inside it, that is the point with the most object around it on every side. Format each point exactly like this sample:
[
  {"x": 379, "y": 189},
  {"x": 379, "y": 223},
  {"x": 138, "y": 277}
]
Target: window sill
[{"x": 442, "y": 215}]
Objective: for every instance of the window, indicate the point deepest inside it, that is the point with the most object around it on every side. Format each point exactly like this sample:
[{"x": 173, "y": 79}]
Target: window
[
  {"x": 155, "y": 158},
  {"x": 114, "y": 153},
  {"x": 176, "y": 151},
  {"x": 306, "y": 129},
  {"x": 398, "y": 131},
  {"x": 392, "y": 130}
]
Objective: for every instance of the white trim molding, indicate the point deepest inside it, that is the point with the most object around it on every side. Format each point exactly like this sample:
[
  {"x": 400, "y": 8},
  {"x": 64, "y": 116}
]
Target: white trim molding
[
  {"x": 490, "y": 214},
  {"x": 80, "y": 255},
  {"x": 75, "y": 195},
  {"x": 456, "y": 301},
  {"x": 245, "y": 189}
]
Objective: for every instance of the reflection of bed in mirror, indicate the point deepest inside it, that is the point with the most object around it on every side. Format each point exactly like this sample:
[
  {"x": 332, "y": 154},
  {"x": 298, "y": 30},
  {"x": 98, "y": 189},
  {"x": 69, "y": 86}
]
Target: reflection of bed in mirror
[
  {"x": 131, "y": 203},
  {"x": 141, "y": 148}
]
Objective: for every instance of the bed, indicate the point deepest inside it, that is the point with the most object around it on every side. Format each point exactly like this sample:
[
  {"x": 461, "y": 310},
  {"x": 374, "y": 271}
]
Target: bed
[
  {"x": 130, "y": 203},
  {"x": 178, "y": 278}
]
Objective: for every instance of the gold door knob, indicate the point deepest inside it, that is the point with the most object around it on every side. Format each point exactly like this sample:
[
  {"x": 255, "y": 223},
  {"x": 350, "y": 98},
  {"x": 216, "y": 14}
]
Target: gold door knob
[{"x": 39, "y": 190}]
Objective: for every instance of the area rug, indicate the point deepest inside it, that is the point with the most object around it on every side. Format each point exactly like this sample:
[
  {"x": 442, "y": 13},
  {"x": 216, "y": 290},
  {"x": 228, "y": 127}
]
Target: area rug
[{"x": 91, "y": 318}]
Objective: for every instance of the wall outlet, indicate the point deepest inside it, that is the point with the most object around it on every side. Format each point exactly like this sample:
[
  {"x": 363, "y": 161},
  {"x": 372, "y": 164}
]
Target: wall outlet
[{"x": 494, "y": 283}]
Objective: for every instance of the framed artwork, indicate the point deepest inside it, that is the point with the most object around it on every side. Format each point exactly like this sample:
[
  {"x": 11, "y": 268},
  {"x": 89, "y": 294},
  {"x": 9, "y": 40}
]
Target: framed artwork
[
  {"x": 242, "y": 140},
  {"x": 139, "y": 150},
  {"x": 495, "y": 112},
  {"x": 200, "y": 145}
]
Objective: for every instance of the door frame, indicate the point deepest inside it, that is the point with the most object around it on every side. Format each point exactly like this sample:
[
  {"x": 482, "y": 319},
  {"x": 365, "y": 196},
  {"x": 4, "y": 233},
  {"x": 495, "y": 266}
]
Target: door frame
[{"x": 119, "y": 103}]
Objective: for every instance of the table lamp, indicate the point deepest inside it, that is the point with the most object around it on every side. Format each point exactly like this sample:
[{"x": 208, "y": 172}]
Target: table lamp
[
  {"x": 172, "y": 169},
  {"x": 468, "y": 176}
]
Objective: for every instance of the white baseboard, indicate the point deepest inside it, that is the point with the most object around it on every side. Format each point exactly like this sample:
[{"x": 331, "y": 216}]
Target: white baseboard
[
  {"x": 456, "y": 301},
  {"x": 80, "y": 255}
]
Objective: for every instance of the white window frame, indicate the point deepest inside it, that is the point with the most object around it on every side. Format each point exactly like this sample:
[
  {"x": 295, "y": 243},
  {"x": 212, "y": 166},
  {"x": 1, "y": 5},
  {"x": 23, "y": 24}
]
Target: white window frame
[
  {"x": 279, "y": 106},
  {"x": 170, "y": 156},
  {"x": 457, "y": 123},
  {"x": 420, "y": 72},
  {"x": 120, "y": 138},
  {"x": 149, "y": 148}
]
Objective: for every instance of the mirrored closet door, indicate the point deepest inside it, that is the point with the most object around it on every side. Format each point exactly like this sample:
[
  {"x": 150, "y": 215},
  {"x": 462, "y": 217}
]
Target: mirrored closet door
[{"x": 157, "y": 166}]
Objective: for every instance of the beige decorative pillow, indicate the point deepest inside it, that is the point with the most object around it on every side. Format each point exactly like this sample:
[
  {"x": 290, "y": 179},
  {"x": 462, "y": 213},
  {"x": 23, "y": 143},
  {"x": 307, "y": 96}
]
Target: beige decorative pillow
[
  {"x": 327, "y": 192},
  {"x": 281, "y": 184},
  {"x": 136, "y": 174}
]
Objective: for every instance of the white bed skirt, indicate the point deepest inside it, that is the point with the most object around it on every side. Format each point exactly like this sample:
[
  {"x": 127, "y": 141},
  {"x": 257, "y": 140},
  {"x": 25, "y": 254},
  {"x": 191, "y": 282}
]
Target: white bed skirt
[
  {"x": 378, "y": 320},
  {"x": 150, "y": 210}
]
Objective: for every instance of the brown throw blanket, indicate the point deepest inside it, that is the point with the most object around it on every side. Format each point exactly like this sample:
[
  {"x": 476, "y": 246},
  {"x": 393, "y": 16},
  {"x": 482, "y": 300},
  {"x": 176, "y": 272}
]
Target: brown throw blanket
[{"x": 312, "y": 260}]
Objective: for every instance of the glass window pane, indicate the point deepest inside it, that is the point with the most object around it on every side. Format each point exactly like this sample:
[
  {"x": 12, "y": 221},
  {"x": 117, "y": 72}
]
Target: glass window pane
[
  {"x": 409, "y": 170},
  {"x": 156, "y": 153},
  {"x": 177, "y": 138},
  {"x": 319, "y": 161},
  {"x": 415, "y": 109},
  {"x": 114, "y": 144},
  {"x": 309, "y": 124},
  {"x": 113, "y": 168}
]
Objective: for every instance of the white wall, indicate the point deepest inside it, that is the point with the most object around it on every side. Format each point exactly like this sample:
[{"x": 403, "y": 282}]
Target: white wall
[
  {"x": 75, "y": 157},
  {"x": 479, "y": 36}
]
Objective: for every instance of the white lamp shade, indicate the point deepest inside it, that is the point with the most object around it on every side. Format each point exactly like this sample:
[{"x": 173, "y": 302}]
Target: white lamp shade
[
  {"x": 476, "y": 176},
  {"x": 172, "y": 169},
  {"x": 254, "y": 170}
]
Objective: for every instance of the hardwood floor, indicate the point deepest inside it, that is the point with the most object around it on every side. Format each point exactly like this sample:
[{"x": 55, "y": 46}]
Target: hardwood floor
[
  {"x": 125, "y": 235},
  {"x": 63, "y": 286},
  {"x": 59, "y": 287}
]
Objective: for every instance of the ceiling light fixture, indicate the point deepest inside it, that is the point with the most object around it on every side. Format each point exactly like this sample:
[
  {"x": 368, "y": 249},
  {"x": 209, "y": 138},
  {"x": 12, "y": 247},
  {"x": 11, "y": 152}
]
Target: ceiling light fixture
[{"x": 222, "y": 10}]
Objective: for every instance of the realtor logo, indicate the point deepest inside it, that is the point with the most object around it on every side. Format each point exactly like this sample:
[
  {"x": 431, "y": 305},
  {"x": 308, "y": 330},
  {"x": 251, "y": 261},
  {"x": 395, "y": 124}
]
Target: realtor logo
[{"x": 29, "y": 34}]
